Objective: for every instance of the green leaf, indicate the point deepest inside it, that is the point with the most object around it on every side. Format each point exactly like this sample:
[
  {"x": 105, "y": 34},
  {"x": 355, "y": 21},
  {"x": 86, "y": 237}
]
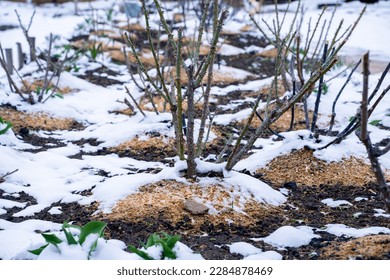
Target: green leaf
[
  {"x": 140, "y": 253},
  {"x": 171, "y": 242},
  {"x": 39, "y": 250},
  {"x": 67, "y": 225},
  {"x": 167, "y": 252},
  {"x": 152, "y": 240},
  {"x": 93, "y": 247},
  {"x": 91, "y": 228},
  {"x": 51, "y": 239},
  {"x": 8, "y": 126},
  {"x": 69, "y": 236},
  {"x": 375, "y": 122}
]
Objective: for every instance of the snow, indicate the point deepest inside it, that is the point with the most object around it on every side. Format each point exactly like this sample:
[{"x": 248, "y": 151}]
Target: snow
[
  {"x": 340, "y": 230},
  {"x": 289, "y": 236},
  {"x": 244, "y": 249},
  {"x": 261, "y": 191},
  {"x": 5, "y": 203},
  {"x": 335, "y": 203},
  {"x": 251, "y": 252},
  {"x": 15, "y": 242},
  {"x": 381, "y": 213},
  {"x": 55, "y": 210},
  {"x": 359, "y": 198},
  {"x": 52, "y": 177},
  {"x": 269, "y": 255}
]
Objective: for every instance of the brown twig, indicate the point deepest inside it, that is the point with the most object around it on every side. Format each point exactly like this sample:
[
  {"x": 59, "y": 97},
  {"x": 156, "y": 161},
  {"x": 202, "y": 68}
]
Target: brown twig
[{"x": 364, "y": 136}]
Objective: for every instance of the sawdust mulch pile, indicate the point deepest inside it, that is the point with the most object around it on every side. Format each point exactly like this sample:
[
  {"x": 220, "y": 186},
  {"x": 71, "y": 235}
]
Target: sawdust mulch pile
[
  {"x": 283, "y": 123},
  {"x": 145, "y": 56},
  {"x": 163, "y": 106},
  {"x": 37, "y": 121},
  {"x": 142, "y": 145},
  {"x": 303, "y": 168},
  {"x": 39, "y": 84},
  {"x": 368, "y": 247},
  {"x": 220, "y": 78},
  {"x": 165, "y": 200}
]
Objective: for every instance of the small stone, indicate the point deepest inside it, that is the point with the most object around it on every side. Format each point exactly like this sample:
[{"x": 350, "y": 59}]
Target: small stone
[{"x": 194, "y": 207}]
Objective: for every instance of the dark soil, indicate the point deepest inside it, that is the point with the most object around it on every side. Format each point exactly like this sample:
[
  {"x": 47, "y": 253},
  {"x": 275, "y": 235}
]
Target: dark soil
[
  {"x": 101, "y": 76},
  {"x": 7, "y": 27},
  {"x": 264, "y": 67}
]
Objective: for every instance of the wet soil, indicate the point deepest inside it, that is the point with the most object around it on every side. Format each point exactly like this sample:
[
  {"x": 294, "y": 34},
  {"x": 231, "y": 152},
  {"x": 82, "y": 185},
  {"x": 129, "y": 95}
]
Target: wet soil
[
  {"x": 101, "y": 76},
  {"x": 264, "y": 67}
]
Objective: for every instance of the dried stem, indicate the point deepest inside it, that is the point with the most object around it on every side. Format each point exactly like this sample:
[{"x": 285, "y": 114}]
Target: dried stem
[{"x": 364, "y": 136}]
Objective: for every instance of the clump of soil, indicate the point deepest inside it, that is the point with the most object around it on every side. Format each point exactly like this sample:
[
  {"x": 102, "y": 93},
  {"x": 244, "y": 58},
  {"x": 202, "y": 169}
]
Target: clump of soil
[
  {"x": 368, "y": 247},
  {"x": 304, "y": 168},
  {"x": 36, "y": 121},
  {"x": 166, "y": 199}
]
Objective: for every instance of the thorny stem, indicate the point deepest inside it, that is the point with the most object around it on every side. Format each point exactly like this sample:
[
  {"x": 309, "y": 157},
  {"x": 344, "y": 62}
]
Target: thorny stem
[
  {"x": 363, "y": 135},
  {"x": 319, "y": 92},
  {"x": 46, "y": 80},
  {"x": 129, "y": 69},
  {"x": 205, "y": 111},
  {"x": 155, "y": 58},
  {"x": 213, "y": 49},
  {"x": 307, "y": 46},
  {"x": 191, "y": 164},
  {"x": 201, "y": 30},
  {"x": 336, "y": 50},
  {"x": 142, "y": 67},
  {"x": 180, "y": 140}
]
